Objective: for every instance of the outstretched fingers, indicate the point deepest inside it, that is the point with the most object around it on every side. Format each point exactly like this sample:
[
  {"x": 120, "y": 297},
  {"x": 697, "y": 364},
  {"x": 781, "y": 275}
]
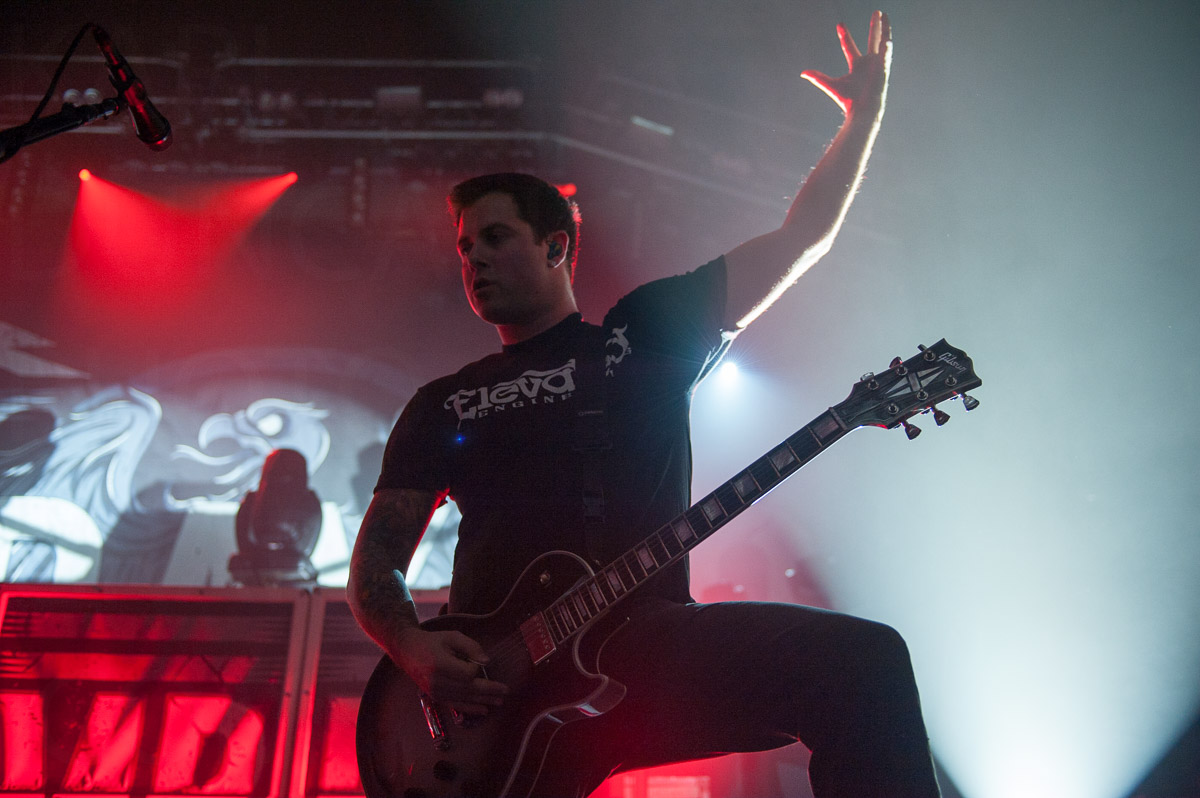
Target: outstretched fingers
[
  {"x": 880, "y": 34},
  {"x": 824, "y": 83},
  {"x": 849, "y": 48}
]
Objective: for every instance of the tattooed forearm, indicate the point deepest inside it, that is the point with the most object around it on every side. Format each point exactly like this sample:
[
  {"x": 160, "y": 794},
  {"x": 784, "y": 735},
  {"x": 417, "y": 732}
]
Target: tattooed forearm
[{"x": 377, "y": 593}]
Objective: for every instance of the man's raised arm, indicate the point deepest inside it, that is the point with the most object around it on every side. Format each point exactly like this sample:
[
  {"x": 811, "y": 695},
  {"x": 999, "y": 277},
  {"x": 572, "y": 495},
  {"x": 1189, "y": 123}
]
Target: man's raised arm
[
  {"x": 762, "y": 269},
  {"x": 445, "y": 665}
]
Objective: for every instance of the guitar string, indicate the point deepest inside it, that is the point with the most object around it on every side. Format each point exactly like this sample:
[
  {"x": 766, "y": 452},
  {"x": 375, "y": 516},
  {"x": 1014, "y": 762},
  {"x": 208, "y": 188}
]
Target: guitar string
[{"x": 516, "y": 642}]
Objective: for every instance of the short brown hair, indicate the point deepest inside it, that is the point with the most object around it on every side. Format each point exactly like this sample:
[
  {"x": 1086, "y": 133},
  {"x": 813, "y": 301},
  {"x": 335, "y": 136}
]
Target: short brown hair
[{"x": 539, "y": 204}]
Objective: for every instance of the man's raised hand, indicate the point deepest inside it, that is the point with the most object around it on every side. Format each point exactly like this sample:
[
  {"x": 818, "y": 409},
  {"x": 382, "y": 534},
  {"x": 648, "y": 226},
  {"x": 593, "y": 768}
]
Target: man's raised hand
[{"x": 864, "y": 89}]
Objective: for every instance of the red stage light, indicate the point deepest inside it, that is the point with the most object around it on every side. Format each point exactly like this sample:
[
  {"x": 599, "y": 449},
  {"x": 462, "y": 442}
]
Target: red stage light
[
  {"x": 85, "y": 174},
  {"x": 152, "y": 243},
  {"x": 135, "y": 260},
  {"x": 567, "y": 189}
]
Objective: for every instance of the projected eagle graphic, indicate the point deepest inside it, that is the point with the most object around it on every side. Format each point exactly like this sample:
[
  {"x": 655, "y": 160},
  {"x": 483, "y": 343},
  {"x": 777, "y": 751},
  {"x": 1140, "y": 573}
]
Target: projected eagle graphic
[
  {"x": 235, "y": 444},
  {"x": 76, "y": 503}
]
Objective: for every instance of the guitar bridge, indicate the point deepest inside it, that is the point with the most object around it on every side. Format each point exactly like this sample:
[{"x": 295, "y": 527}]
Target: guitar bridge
[{"x": 434, "y": 722}]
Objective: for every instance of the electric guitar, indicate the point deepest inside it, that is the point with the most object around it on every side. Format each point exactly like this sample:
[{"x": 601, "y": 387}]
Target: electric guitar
[{"x": 410, "y": 746}]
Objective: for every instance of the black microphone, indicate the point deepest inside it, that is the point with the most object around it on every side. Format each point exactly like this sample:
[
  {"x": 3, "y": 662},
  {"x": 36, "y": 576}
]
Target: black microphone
[{"x": 150, "y": 126}]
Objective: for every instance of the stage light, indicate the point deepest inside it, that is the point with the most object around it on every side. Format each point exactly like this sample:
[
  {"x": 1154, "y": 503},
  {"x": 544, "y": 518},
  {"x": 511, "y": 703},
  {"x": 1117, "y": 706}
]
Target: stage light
[
  {"x": 129, "y": 249},
  {"x": 728, "y": 373},
  {"x": 649, "y": 124},
  {"x": 567, "y": 189}
]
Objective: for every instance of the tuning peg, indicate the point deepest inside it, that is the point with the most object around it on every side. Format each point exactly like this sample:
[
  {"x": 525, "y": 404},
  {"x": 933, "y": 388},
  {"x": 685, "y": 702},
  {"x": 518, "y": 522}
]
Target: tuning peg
[
  {"x": 940, "y": 416},
  {"x": 970, "y": 402},
  {"x": 896, "y": 361},
  {"x": 911, "y": 430}
]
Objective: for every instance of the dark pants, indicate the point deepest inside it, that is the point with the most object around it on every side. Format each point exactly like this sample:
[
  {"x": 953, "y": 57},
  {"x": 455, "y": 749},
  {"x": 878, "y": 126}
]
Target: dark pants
[{"x": 708, "y": 679}]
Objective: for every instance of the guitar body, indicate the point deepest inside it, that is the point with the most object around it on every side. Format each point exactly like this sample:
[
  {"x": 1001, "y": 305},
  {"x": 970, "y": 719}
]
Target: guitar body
[{"x": 412, "y": 747}]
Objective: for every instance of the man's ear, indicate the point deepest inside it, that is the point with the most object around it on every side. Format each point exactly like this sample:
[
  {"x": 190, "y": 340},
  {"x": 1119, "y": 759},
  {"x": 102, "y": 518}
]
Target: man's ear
[{"x": 556, "y": 247}]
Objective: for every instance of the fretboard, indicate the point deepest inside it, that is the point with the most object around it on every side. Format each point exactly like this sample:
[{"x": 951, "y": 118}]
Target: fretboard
[{"x": 596, "y": 595}]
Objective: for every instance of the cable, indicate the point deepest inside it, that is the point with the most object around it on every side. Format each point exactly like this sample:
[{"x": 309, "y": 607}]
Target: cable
[{"x": 62, "y": 65}]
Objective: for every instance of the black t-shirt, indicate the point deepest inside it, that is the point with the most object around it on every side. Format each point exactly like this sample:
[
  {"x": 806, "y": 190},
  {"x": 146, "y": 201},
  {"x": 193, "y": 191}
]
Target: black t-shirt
[{"x": 500, "y": 437}]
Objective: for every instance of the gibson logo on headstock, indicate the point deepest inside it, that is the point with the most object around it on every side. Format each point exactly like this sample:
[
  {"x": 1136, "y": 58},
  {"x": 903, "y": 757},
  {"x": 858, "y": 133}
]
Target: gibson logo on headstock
[{"x": 952, "y": 361}]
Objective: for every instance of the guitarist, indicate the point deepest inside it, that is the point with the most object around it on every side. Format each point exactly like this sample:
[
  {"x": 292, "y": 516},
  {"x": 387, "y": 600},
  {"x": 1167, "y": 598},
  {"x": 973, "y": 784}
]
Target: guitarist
[{"x": 504, "y": 438}]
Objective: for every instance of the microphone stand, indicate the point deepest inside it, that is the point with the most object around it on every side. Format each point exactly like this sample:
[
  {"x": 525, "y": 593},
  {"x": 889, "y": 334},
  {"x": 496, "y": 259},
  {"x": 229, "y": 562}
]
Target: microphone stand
[{"x": 70, "y": 117}]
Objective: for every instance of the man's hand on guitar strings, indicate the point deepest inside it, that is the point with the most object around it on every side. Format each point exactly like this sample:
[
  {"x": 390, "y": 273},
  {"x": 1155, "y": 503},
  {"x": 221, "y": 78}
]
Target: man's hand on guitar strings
[{"x": 449, "y": 667}]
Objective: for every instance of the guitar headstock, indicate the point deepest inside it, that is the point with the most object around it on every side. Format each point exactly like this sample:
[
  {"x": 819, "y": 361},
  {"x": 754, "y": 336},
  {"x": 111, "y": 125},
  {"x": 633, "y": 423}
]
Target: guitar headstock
[{"x": 889, "y": 399}]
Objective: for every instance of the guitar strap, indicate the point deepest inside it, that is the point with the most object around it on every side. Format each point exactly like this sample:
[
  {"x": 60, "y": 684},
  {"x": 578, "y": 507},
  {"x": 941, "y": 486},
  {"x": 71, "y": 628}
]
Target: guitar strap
[{"x": 592, "y": 440}]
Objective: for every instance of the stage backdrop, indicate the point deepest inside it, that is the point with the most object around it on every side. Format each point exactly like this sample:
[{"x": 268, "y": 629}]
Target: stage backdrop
[{"x": 150, "y": 362}]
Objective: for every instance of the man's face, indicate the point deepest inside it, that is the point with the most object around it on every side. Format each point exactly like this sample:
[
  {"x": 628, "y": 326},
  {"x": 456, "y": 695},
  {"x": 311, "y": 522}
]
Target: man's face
[{"x": 505, "y": 272}]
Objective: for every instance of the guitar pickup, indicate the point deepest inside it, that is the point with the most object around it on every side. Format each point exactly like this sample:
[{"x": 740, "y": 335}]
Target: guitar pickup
[
  {"x": 434, "y": 722},
  {"x": 536, "y": 635}
]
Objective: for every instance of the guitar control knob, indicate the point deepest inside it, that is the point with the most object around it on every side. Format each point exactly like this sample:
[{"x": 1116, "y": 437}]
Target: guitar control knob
[
  {"x": 444, "y": 770},
  {"x": 544, "y": 578}
]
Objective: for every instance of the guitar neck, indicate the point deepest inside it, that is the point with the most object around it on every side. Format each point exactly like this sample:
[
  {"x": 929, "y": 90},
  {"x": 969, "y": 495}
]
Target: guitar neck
[{"x": 594, "y": 596}]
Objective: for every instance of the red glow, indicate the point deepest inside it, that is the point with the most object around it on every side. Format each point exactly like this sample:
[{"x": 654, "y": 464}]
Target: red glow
[
  {"x": 244, "y": 203},
  {"x": 210, "y": 746},
  {"x": 85, "y": 174},
  {"x": 338, "y": 773},
  {"x": 141, "y": 255},
  {"x": 129, "y": 240},
  {"x": 567, "y": 189},
  {"x": 106, "y": 751},
  {"x": 22, "y": 718}
]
